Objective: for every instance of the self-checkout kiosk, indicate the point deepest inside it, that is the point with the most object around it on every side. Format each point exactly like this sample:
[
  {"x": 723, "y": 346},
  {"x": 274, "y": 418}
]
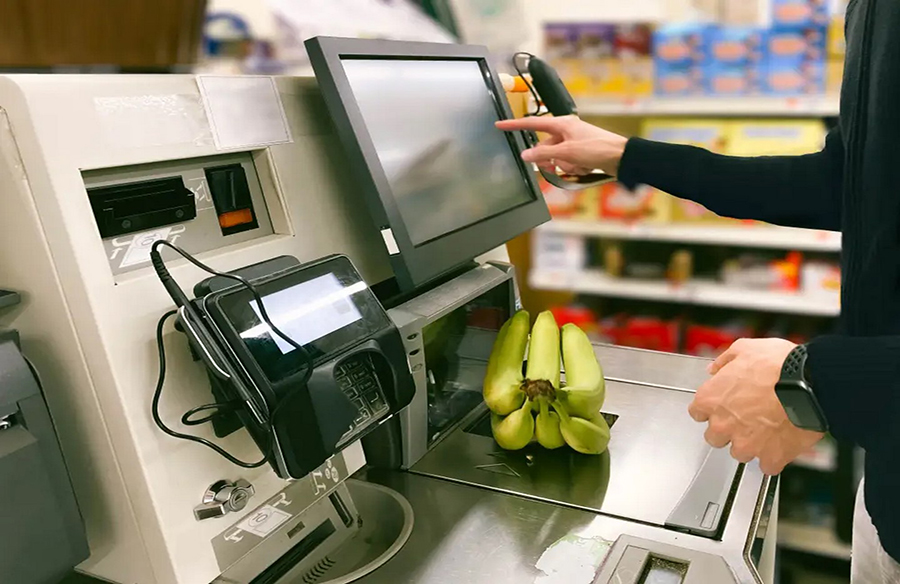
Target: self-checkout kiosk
[{"x": 261, "y": 310}]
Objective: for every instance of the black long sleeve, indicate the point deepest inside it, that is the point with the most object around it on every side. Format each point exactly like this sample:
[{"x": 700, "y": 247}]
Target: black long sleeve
[{"x": 797, "y": 191}]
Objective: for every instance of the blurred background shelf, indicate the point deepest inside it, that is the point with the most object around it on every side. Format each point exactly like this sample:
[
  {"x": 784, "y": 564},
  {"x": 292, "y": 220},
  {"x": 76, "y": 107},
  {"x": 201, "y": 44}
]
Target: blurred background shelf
[
  {"x": 813, "y": 106},
  {"x": 697, "y": 292},
  {"x": 812, "y": 539},
  {"x": 760, "y": 237}
]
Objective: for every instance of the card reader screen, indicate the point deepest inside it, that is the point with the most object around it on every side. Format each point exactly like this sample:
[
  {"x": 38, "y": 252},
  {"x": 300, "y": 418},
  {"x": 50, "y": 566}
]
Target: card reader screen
[
  {"x": 325, "y": 308},
  {"x": 307, "y": 312}
]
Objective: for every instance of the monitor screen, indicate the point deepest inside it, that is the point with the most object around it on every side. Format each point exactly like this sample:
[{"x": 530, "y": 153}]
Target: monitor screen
[
  {"x": 417, "y": 122},
  {"x": 431, "y": 123}
]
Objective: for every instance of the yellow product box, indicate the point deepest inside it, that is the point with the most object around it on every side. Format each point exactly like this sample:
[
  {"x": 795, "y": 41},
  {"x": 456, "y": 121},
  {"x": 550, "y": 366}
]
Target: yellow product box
[
  {"x": 642, "y": 204},
  {"x": 586, "y": 205},
  {"x": 837, "y": 46},
  {"x": 608, "y": 77},
  {"x": 775, "y": 137},
  {"x": 712, "y": 135},
  {"x": 565, "y": 204},
  {"x": 638, "y": 74},
  {"x": 834, "y": 75},
  {"x": 574, "y": 75}
]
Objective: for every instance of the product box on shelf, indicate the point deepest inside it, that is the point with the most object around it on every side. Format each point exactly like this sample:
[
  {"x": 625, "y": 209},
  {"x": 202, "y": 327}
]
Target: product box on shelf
[
  {"x": 564, "y": 204},
  {"x": 737, "y": 57},
  {"x": 560, "y": 41},
  {"x": 837, "y": 46},
  {"x": 791, "y": 13},
  {"x": 737, "y": 45},
  {"x": 602, "y": 68},
  {"x": 744, "y": 12},
  {"x": 649, "y": 332},
  {"x": 711, "y": 341},
  {"x": 634, "y": 54},
  {"x": 834, "y": 76},
  {"x": 795, "y": 60},
  {"x": 680, "y": 53},
  {"x": 821, "y": 279},
  {"x": 562, "y": 50},
  {"x": 642, "y": 204},
  {"x": 775, "y": 137},
  {"x": 557, "y": 253}
]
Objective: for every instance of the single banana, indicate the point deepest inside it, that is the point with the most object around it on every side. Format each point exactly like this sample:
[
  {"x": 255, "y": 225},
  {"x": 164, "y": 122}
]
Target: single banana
[
  {"x": 542, "y": 374},
  {"x": 503, "y": 380},
  {"x": 515, "y": 431},
  {"x": 546, "y": 427},
  {"x": 585, "y": 387},
  {"x": 584, "y": 436}
]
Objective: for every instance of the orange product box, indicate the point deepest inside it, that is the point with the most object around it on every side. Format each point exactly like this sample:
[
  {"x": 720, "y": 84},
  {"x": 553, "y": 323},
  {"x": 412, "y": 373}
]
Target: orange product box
[
  {"x": 643, "y": 204},
  {"x": 564, "y": 204}
]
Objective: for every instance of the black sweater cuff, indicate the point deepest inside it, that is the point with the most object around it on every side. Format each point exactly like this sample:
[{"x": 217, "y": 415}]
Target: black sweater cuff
[
  {"x": 855, "y": 380},
  {"x": 637, "y": 152}
]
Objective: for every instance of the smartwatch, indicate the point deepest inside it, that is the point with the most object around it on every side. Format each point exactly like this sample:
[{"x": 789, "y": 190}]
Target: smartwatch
[{"x": 794, "y": 390}]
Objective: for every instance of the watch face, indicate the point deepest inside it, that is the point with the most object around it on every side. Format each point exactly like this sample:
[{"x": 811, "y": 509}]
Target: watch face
[{"x": 799, "y": 406}]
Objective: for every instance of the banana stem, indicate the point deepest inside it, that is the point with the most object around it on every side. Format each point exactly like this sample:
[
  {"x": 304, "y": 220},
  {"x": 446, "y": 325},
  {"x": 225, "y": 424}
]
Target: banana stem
[
  {"x": 563, "y": 414},
  {"x": 545, "y": 409},
  {"x": 537, "y": 388}
]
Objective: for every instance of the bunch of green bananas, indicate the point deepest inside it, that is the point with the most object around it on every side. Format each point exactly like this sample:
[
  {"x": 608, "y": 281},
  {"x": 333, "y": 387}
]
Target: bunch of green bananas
[{"x": 564, "y": 415}]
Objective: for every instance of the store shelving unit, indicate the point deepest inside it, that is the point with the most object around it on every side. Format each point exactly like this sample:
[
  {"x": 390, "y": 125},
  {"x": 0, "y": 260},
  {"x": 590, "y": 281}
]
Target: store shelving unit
[
  {"x": 815, "y": 106},
  {"x": 734, "y": 235},
  {"x": 815, "y": 539},
  {"x": 698, "y": 292}
]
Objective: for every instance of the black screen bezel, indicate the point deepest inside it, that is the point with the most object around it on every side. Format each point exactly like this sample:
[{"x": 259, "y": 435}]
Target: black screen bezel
[
  {"x": 416, "y": 265},
  {"x": 219, "y": 306}
]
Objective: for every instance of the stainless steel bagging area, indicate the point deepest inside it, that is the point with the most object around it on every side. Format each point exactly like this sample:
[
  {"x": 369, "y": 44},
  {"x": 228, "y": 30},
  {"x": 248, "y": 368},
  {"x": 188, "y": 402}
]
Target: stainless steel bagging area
[{"x": 660, "y": 503}]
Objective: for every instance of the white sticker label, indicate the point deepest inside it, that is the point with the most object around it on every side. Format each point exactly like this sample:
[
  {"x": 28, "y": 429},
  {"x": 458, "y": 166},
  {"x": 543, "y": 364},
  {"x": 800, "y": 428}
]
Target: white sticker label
[
  {"x": 244, "y": 111},
  {"x": 388, "y": 236},
  {"x": 139, "y": 249},
  {"x": 264, "y": 521}
]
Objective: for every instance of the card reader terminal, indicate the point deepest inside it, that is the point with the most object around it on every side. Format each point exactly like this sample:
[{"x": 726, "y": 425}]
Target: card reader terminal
[{"x": 360, "y": 374}]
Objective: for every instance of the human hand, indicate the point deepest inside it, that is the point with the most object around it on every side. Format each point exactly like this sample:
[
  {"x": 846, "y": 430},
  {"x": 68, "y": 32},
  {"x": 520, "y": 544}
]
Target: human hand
[
  {"x": 740, "y": 404},
  {"x": 575, "y": 146}
]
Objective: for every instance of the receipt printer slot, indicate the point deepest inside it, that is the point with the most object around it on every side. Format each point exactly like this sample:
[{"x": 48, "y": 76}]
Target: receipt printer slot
[{"x": 131, "y": 207}]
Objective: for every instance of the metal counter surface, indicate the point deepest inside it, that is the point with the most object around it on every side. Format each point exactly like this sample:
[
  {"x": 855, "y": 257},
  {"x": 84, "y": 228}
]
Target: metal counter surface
[
  {"x": 653, "y": 441},
  {"x": 465, "y": 534},
  {"x": 474, "y": 533}
]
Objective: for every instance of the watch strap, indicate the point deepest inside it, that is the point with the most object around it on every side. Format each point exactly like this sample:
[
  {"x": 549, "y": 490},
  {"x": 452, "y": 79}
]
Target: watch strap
[{"x": 794, "y": 367}]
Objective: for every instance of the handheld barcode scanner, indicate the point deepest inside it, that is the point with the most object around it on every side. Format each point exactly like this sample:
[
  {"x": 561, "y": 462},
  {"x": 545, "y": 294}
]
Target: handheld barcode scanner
[{"x": 549, "y": 90}]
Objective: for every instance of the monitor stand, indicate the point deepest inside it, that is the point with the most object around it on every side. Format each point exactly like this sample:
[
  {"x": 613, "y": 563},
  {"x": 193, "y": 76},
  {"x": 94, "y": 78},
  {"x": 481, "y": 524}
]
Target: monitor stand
[{"x": 391, "y": 295}]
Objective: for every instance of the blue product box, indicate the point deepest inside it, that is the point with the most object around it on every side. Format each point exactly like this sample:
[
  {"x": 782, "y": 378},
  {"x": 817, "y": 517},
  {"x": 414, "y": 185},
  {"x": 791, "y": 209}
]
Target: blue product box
[
  {"x": 729, "y": 80},
  {"x": 795, "y": 61},
  {"x": 800, "y": 78},
  {"x": 681, "y": 45},
  {"x": 792, "y": 13},
  {"x": 736, "y": 45},
  {"x": 679, "y": 80},
  {"x": 794, "y": 45}
]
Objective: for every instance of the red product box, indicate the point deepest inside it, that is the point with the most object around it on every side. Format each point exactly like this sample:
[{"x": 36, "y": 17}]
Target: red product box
[
  {"x": 649, "y": 333},
  {"x": 709, "y": 341}
]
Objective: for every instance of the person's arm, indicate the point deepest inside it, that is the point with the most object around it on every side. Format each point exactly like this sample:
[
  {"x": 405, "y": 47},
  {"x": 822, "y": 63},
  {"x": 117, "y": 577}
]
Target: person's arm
[
  {"x": 857, "y": 382},
  {"x": 799, "y": 191}
]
